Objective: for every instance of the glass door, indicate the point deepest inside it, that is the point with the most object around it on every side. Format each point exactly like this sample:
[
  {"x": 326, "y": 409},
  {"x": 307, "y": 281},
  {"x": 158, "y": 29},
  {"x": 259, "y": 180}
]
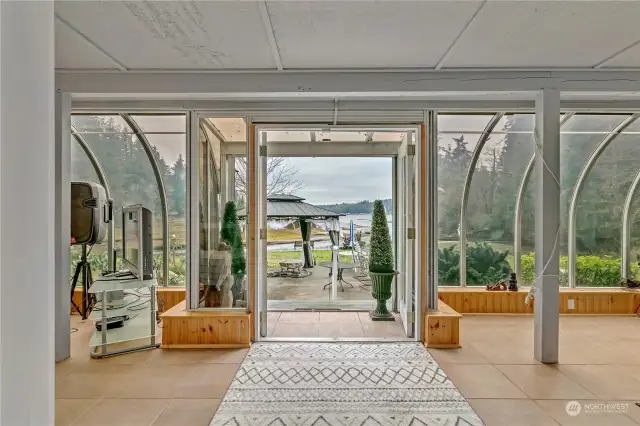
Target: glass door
[
  {"x": 405, "y": 281},
  {"x": 261, "y": 210}
]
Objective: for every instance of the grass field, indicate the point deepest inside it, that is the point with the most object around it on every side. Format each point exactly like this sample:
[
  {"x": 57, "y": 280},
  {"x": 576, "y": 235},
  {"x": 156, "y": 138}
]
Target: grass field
[{"x": 276, "y": 256}]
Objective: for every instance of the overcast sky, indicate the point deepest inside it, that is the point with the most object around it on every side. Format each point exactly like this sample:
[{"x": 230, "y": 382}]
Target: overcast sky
[{"x": 343, "y": 180}]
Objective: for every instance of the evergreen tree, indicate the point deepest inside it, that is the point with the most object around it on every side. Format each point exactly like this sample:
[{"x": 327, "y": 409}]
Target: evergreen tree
[
  {"x": 230, "y": 234},
  {"x": 178, "y": 185}
]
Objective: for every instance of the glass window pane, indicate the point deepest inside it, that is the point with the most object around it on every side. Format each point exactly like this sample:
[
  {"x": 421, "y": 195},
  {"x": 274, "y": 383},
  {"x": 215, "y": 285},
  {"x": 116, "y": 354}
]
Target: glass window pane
[
  {"x": 634, "y": 127},
  {"x": 463, "y": 122},
  {"x": 222, "y": 258},
  {"x": 161, "y": 123},
  {"x": 592, "y": 123},
  {"x": 599, "y": 213},
  {"x": 492, "y": 198},
  {"x": 516, "y": 123},
  {"x": 455, "y": 151},
  {"x": 170, "y": 153},
  {"x": 81, "y": 167},
  {"x": 82, "y": 170},
  {"x": 100, "y": 124},
  {"x": 131, "y": 180}
]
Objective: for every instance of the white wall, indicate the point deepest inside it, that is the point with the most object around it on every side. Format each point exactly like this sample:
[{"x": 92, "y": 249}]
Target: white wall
[{"x": 26, "y": 213}]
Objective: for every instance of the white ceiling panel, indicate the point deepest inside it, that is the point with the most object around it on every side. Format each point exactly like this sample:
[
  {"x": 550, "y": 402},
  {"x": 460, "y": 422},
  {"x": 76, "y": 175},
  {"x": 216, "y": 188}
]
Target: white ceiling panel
[
  {"x": 173, "y": 35},
  {"x": 74, "y": 52},
  {"x": 546, "y": 34},
  {"x": 360, "y": 34}
]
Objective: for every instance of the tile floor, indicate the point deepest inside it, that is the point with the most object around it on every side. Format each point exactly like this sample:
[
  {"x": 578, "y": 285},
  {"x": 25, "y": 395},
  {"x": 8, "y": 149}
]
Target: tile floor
[
  {"x": 332, "y": 325},
  {"x": 494, "y": 370}
]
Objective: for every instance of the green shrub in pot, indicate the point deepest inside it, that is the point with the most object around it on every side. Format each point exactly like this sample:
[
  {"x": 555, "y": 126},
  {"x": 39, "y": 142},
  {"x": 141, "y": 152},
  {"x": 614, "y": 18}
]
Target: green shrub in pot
[{"x": 381, "y": 263}]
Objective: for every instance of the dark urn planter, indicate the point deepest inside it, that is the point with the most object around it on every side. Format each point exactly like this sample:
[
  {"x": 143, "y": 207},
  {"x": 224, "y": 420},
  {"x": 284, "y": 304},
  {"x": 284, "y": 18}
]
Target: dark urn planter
[
  {"x": 381, "y": 291},
  {"x": 237, "y": 289}
]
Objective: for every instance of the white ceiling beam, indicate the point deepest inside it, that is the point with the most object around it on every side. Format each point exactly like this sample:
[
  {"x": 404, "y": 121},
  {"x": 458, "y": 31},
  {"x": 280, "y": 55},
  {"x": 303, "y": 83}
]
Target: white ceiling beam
[
  {"x": 446, "y": 54},
  {"x": 249, "y": 108},
  {"x": 609, "y": 59},
  {"x": 91, "y": 43},
  {"x": 268, "y": 29},
  {"x": 241, "y": 109},
  {"x": 321, "y": 149},
  {"x": 308, "y": 86}
]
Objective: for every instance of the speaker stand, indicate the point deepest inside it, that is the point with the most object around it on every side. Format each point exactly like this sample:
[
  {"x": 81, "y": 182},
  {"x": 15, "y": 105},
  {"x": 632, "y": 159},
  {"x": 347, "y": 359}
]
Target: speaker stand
[{"x": 83, "y": 267}]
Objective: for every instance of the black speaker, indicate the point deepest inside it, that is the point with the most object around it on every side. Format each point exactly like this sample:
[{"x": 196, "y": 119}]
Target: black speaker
[{"x": 90, "y": 213}]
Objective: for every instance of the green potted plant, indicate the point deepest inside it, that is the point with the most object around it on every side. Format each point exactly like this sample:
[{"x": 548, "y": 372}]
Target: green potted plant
[
  {"x": 231, "y": 235},
  {"x": 380, "y": 263}
]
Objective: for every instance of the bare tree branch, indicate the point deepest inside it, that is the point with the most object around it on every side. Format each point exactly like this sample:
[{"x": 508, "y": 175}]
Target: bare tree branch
[{"x": 281, "y": 177}]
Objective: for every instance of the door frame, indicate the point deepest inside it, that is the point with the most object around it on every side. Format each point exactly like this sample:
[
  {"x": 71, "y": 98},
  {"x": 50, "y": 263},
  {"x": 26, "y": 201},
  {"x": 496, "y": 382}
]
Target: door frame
[{"x": 257, "y": 211}]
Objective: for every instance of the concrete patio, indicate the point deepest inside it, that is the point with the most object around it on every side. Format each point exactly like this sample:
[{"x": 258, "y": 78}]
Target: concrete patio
[{"x": 311, "y": 288}]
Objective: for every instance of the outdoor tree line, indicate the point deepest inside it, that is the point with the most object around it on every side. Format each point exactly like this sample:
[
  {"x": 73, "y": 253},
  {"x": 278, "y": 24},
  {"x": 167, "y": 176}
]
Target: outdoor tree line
[
  {"x": 126, "y": 165},
  {"x": 492, "y": 197},
  {"x": 501, "y": 165}
]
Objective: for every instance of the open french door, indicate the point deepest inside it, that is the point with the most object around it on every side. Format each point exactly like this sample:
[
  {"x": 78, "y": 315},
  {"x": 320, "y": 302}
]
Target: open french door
[
  {"x": 261, "y": 215},
  {"x": 406, "y": 207}
]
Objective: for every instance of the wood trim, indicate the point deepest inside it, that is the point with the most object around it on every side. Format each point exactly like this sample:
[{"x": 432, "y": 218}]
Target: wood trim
[
  {"x": 205, "y": 329},
  {"x": 251, "y": 228},
  {"x": 587, "y": 301},
  {"x": 180, "y": 310},
  {"x": 422, "y": 226},
  {"x": 213, "y": 346},
  {"x": 443, "y": 327}
]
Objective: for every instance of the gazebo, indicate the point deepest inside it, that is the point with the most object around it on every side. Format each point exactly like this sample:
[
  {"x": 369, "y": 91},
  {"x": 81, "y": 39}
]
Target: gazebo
[{"x": 284, "y": 207}]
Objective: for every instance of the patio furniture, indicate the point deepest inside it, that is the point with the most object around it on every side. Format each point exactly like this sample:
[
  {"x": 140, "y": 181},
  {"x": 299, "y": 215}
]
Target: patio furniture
[
  {"x": 290, "y": 207},
  {"x": 362, "y": 270},
  {"x": 290, "y": 268},
  {"x": 341, "y": 267}
]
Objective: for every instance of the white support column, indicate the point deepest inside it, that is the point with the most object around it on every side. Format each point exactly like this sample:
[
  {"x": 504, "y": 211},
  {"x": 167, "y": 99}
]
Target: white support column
[
  {"x": 62, "y": 223},
  {"x": 547, "y": 223},
  {"x": 27, "y": 213}
]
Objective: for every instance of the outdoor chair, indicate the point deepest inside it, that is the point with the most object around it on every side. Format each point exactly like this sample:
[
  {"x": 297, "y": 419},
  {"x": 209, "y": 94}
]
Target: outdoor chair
[{"x": 362, "y": 271}]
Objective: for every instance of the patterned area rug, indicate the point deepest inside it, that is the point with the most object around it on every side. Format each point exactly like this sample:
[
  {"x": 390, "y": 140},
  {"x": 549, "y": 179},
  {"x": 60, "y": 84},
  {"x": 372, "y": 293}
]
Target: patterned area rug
[{"x": 340, "y": 384}]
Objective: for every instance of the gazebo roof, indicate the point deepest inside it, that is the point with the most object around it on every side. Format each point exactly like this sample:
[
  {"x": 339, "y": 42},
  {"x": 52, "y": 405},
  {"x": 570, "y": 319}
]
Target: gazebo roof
[{"x": 282, "y": 206}]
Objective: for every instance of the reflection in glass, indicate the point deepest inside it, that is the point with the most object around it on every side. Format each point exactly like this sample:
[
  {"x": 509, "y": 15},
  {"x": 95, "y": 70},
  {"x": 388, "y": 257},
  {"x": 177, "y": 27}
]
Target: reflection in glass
[{"x": 222, "y": 264}]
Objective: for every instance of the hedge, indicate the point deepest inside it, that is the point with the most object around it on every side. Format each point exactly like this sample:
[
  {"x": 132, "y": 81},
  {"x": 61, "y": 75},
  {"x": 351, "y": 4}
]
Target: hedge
[{"x": 591, "y": 271}]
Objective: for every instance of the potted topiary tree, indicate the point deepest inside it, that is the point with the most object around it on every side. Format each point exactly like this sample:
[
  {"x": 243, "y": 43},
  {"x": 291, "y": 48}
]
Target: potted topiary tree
[
  {"x": 231, "y": 235},
  {"x": 380, "y": 263}
]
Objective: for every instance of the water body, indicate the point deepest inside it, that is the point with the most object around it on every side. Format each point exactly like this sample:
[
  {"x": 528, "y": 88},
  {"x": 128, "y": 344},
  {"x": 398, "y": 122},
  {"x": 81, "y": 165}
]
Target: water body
[{"x": 360, "y": 222}]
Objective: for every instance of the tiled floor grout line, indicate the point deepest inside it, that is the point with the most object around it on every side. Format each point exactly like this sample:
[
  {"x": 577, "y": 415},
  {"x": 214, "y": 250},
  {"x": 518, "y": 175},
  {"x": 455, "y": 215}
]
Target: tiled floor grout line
[
  {"x": 161, "y": 411},
  {"x": 99, "y": 400}
]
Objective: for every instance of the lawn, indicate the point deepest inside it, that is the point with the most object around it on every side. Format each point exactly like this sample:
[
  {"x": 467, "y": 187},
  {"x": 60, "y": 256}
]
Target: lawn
[{"x": 274, "y": 257}]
